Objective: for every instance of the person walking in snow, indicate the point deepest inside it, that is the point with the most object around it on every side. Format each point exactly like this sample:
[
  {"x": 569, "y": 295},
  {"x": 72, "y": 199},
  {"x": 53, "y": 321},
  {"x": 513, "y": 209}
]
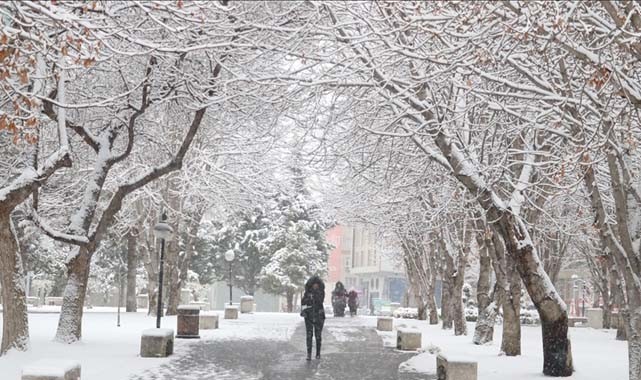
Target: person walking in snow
[
  {"x": 339, "y": 302},
  {"x": 313, "y": 311},
  {"x": 352, "y": 302}
]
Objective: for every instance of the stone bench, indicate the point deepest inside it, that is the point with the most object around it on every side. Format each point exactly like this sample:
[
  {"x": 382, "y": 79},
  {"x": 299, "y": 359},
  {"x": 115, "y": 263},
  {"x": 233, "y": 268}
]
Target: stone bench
[
  {"x": 231, "y": 312},
  {"x": 208, "y": 321},
  {"x": 385, "y": 324},
  {"x": 408, "y": 339},
  {"x": 52, "y": 369},
  {"x": 246, "y": 304},
  {"x": 572, "y": 321},
  {"x": 157, "y": 343},
  {"x": 53, "y": 301},
  {"x": 452, "y": 368},
  {"x": 33, "y": 301}
]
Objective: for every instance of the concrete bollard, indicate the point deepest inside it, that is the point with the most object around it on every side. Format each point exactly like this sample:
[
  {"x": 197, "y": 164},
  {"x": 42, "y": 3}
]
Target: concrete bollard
[
  {"x": 449, "y": 368},
  {"x": 208, "y": 321},
  {"x": 595, "y": 318},
  {"x": 52, "y": 369},
  {"x": 157, "y": 343},
  {"x": 188, "y": 322},
  {"x": 408, "y": 339},
  {"x": 385, "y": 324},
  {"x": 231, "y": 312},
  {"x": 246, "y": 304}
]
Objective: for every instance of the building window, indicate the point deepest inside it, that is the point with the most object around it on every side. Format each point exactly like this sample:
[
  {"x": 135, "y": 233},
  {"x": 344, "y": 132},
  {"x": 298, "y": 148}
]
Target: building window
[{"x": 377, "y": 283}]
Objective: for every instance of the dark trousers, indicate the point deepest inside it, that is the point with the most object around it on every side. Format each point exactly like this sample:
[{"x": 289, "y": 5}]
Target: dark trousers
[{"x": 314, "y": 328}]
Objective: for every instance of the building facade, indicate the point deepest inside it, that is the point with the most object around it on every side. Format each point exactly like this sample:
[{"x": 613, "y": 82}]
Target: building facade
[{"x": 360, "y": 260}]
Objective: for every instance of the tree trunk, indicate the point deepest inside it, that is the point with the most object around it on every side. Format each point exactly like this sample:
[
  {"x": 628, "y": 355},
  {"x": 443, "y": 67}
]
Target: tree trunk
[
  {"x": 557, "y": 354},
  {"x": 633, "y": 332},
  {"x": 623, "y": 327},
  {"x": 70, "y": 322},
  {"x": 483, "y": 330},
  {"x": 422, "y": 311},
  {"x": 458, "y": 310},
  {"x": 172, "y": 283},
  {"x": 431, "y": 300},
  {"x": 132, "y": 266},
  {"x": 15, "y": 324},
  {"x": 446, "y": 305},
  {"x": 511, "y": 340},
  {"x": 290, "y": 300}
]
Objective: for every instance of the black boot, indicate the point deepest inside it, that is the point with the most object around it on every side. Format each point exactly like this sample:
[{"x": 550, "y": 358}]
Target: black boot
[
  {"x": 318, "y": 348},
  {"x": 309, "y": 353}
]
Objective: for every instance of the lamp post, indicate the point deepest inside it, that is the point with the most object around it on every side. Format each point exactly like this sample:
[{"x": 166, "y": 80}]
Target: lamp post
[
  {"x": 164, "y": 232},
  {"x": 229, "y": 256}
]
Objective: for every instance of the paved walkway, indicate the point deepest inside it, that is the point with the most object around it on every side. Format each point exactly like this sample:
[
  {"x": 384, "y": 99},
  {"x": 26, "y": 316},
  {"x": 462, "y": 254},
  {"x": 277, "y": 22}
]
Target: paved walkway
[{"x": 350, "y": 352}]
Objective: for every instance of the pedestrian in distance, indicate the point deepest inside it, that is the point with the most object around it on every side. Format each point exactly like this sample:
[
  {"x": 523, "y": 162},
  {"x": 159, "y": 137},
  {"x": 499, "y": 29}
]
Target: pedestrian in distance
[
  {"x": 339, "y": 299},
  {"x": 352, "y": 302},
  {"x": 313, "y": 311}
]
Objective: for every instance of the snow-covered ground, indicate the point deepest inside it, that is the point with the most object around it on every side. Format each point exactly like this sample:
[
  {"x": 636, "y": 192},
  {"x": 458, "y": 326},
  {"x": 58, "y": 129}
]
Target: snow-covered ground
[
  {"x": 111, "y": 352},
  {"x": 596, "y": 353},
  {"x": 108, "y": 352}
]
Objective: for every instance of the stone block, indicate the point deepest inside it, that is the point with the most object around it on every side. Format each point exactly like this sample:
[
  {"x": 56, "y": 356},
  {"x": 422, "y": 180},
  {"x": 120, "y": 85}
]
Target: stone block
[
  {"x": 451, "y": 368},
  {"x": 53, "y": 301},
  {"x": 231, "y": 312},
  {"x": 595, "y": 318},
  {"x": 142, "y": 301},
  {"x": 246, "y": 304},
  {"x": 157, "y": 343},
  {"x": 33, "y": 301},
  {"x": 188, "y": 322},
  {"x": 385, "y": 324},
  {"x": 572, "y": 321},
  {"x": 208, "y": 321},
  {"x": 52, "y": 369},
  {"x": 408, "y": 339}
]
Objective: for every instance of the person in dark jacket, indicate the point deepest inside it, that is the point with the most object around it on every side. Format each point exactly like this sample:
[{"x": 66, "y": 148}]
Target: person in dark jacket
[
  {"x": 313, "y": 311},
  {"x": 339, "y": 301},
  {"x": 352, "y": 302}
]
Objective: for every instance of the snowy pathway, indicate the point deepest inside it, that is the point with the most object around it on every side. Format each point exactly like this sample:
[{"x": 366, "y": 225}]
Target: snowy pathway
[{"x": 351, "y": 350}]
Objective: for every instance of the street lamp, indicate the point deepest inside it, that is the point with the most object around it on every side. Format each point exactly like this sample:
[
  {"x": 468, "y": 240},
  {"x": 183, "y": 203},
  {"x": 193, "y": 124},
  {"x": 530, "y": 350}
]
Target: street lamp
[
  {"x": 229, "y": 256},
  {"x": 164, "y": 232}
]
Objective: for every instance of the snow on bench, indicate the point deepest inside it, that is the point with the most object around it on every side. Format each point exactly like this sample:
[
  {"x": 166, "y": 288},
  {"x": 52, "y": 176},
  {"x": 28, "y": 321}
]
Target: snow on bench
[
  {"x": 52, "y": 369},
  {"x": 455, "y": 368}
]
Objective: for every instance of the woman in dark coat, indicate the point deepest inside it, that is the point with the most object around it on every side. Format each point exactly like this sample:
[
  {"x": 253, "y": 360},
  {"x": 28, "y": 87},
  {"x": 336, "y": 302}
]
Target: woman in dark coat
[
  {"x": 352, "y": 302},
  {"x": 313, "y": 311},
  {"x": 339, "y": 302}
]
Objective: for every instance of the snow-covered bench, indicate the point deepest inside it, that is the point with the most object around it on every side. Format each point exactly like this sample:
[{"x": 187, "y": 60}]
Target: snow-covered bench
[
  {"x": 52, "y": 369},
  {"x": 455, "y": 368},
  {"x": 385, "y": 324},
  {"x": 246, "y": 304},
  {"x": 231, "y": 312},
  {"x": 157, "y": 343},
  {"x": 208, "y": 321},
  {"x": 408, "y": 339}
]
